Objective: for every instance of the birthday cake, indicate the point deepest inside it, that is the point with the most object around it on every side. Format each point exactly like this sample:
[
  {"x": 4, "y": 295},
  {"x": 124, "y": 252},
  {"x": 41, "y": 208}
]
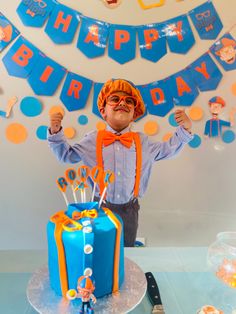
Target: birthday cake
[{"x": 85, "y": 240}]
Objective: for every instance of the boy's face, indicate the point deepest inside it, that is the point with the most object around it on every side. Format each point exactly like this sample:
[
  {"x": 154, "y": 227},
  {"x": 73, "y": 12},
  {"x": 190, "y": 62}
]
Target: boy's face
[{"x": 119, "y": 111}]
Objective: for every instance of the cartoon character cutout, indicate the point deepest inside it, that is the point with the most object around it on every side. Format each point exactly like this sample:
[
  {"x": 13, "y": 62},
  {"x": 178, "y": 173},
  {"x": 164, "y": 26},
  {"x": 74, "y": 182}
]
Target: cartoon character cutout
[
  {"x": 85, "y": 288},
  {"x": 226, "y": 50},
  {"x": 112, "y": 4},
  {"x": 213, "y": 127},
  {"x": 5, "y": 32}
]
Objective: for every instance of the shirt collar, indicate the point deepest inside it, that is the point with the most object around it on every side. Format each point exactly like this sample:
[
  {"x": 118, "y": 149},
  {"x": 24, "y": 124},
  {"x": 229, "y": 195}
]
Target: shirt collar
[{"x": 108, "y": 128}]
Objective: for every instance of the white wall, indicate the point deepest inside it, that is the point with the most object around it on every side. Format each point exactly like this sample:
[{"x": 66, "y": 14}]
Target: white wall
[{"x": 190, "y": 198}]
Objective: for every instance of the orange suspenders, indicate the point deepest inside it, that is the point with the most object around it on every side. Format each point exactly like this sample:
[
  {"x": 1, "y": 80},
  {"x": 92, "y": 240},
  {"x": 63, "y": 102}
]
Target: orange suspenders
[{"x": 138, "y": 146}]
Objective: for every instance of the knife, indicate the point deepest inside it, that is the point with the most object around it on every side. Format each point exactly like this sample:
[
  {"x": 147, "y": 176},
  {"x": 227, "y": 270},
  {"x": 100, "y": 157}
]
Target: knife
[{"x": 154, "y": 294}]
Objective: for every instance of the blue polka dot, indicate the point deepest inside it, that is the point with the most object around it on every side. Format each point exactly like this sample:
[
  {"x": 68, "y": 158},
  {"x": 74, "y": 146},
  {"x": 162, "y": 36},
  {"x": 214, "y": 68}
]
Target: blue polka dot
[
  {"x": 42, "y": 132},
  {"x": 196, "y": 141},
  {"x": 172, "y": 120},
  {"x": 228, "y": 136},
  {"x": 83, "y": 120},
  {"x": 31, "y": 106}
]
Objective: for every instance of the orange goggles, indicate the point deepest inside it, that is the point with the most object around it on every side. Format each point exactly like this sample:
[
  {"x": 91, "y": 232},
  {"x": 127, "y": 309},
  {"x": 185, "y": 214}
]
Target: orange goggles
[{"x": 115, "y": 99}]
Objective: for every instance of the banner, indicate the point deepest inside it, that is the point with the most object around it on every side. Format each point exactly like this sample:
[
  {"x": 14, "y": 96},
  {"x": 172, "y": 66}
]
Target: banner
[
  {"x": 182, "y": 88},
  {"x": 205, "y": 73},
  {"x": 45, "y": 78},
  {"x": 45, "y": 75},
  {"x": 8, "y": 32},
  {"x": 179, "y": 34},
  {"x": 122, "y": 43},
  {"x": 35, "y": 13},
  {"x": 75, "y": 91},
  {"x": 206, "y": 21},
  {"x": 92, "y": 37},
  {"x": 95, "y": 35},
  {"x": 224, "y": 50},
  {"x": 62, "y": 24},
  {"x": 21, "y": 58},
  {"x": 152, "y": 42},
  {"x": 157, "y": 98}
]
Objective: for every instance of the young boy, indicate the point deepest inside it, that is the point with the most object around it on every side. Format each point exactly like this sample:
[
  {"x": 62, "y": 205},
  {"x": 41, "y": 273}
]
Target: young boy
[{"x": 128, "y": 154}]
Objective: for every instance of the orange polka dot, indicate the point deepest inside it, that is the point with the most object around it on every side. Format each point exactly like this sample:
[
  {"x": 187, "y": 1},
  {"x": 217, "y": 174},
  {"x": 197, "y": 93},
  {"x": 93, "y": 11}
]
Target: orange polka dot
[
  {"x": 233, "y": 89},
  {"x": 101, "y": 125},
  {"x": 151, "y": 128},
  {"x": 56, "y": 109},
  {"x": 195, "y": 113},
  {"x": 167, "y": 136},
  {"x": 69, "y": 132},
  {"x": 16, "y": 133}
]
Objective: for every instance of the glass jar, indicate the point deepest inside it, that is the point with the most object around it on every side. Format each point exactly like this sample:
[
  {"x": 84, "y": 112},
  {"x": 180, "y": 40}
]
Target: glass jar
[{"x": 221, "y": 258}]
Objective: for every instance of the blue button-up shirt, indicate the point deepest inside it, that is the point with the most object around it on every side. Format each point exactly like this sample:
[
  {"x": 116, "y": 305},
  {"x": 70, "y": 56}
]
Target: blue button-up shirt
[{"x": 119, "y": 159}]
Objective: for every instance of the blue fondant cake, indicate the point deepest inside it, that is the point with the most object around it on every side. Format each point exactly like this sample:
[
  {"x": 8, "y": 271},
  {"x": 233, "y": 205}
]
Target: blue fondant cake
[{"x": 85, "y": 240}]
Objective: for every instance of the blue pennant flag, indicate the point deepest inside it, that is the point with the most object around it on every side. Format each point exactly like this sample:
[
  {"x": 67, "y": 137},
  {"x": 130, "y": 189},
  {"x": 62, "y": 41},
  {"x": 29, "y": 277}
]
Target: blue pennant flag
[
  {"x": 183, "y": 88},
  {"x": 8, "y": 32},
  {"x": 21, "y": 58},
  {"x": 96, "y": 90},
  {"x": 46, "y": 77},
  {"x": 224, "y": 50},
  {"x": 62, "y": 24},
  {"x": 122, "y": 43},
  {"x": 206, "y": 20},
  {"x": 179, "y": 34},
  {"x": 75, "y": 91},
  {"x": 34, "y": 13},
  {"x": 205, "y": 73},
  {"x": 152, "y": 41},
  {"x": 157, "y": 98},
  {"x": 92, "y": 37}
]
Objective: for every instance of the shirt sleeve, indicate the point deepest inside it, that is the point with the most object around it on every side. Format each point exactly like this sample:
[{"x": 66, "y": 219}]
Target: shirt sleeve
[
  {"x": 65, "y": 152},
  {"x": 166, "y": 150}
]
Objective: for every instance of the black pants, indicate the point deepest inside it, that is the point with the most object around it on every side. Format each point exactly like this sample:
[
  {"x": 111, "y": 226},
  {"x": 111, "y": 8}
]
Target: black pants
[{"x": 129, "y": 214}]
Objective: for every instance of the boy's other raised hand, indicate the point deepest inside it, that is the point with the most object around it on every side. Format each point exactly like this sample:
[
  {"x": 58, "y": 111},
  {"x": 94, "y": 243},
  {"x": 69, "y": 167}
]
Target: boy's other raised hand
[
  {"x": 55, "y": 122},
  {"x": 182, "y": 119}
]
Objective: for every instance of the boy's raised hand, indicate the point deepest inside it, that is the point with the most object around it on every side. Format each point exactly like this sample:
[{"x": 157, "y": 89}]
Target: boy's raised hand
[
  {"x": 55, "y": 122},
  {"x": 182, "y": 119}
]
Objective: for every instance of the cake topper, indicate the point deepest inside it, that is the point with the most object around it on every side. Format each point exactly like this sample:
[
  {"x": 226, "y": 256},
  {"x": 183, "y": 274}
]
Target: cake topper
[
  {"x": 85, "y": 288},
  {"x": 70, "y": 177},
  {"x": 96, "y": 174},
  {"x": 109, "y": 177},
  {"x": 62, "y": 185}
]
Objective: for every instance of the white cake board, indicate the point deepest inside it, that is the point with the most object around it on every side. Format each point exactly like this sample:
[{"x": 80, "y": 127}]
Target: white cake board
[{"x": 44, "y": 300}]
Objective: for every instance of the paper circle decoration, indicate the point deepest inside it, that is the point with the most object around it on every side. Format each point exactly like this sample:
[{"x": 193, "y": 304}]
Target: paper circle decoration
[
  {"x": 151, "y": 128},
  {"x": 16, "y": 133},
  {"x": 83, "y": 119},
  {"x": 228, "y": 136},
  {"x": 69, "y": 132},
  {"x": 195, "y": 142},
  {"x": 195, "y": 113},
  {"x": 42, "y": 132},
  {"x": 56, "y": 109},
  {"x": 101, "y": 125},
  {"x": 167, "y": 136},
  {"x": 31, "y": 106},
  {"x": 233, "y": 89},
  {"x": 171, "y": 120}
]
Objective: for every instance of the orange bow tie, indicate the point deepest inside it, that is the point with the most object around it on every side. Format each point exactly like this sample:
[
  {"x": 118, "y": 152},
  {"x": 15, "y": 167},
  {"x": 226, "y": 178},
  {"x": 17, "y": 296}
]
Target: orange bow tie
[{"x": 126, "y": 139}]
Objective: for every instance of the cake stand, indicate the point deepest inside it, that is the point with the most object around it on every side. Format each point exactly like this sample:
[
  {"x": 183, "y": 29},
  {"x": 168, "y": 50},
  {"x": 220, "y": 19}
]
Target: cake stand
[{"x": 44, "y": 300}]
